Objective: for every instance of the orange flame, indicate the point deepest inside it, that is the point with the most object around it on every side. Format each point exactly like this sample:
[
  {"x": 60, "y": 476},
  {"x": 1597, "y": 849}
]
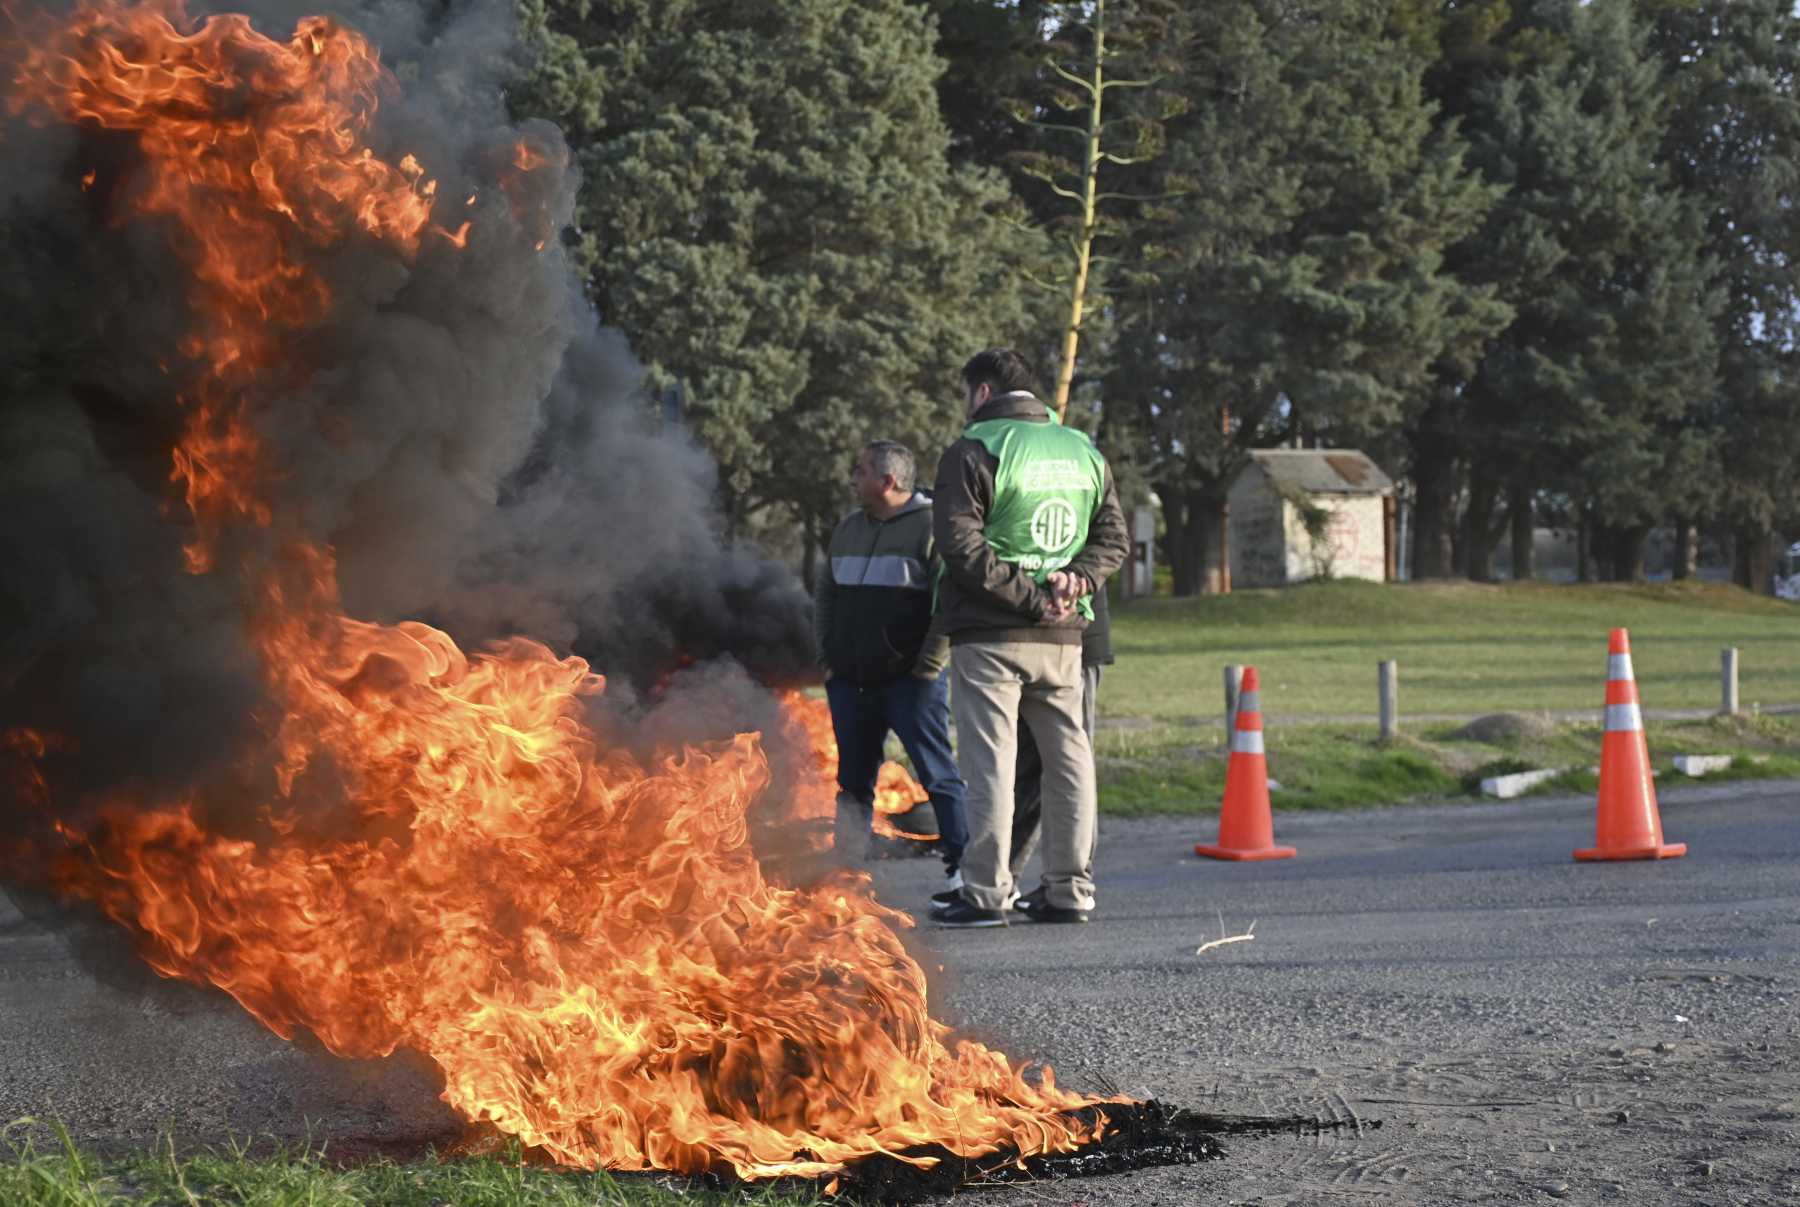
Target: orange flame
[
  {"x": 27, "y": 748},
  {"x": 896, "y": 791},
  {"x": 586, "y": 946},
  {"x": 254, "y": 149}
]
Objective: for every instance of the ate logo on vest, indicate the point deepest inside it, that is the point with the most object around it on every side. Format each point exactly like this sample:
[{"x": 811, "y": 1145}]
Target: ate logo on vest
[{"x": 1053, "y": 525}]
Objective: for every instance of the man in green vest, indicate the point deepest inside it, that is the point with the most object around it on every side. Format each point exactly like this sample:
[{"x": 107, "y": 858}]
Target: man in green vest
[{"x": 1028, "y": 526}]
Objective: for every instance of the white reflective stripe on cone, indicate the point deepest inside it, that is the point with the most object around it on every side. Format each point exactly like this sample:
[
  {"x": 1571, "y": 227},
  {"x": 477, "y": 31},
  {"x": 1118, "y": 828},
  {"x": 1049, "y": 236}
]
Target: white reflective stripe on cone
[
  {"x": 1618, "y": 666},
  {"x": 1250, "y": 702},
  {"x": 1623, "y": 718},
  {"x": 1247, "y": 741}
]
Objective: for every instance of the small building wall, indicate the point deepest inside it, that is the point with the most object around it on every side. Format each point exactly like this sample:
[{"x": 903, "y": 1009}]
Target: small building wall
[
  {"x": 1258, "y": 527},
  {"x": 1270, "y": 546},
  {"x": 1354, "y": 545}
]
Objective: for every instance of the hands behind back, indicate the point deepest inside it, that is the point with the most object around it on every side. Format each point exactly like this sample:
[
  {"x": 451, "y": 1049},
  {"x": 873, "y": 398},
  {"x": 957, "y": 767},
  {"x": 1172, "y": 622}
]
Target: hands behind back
[{"x": 1066, "y": 590}]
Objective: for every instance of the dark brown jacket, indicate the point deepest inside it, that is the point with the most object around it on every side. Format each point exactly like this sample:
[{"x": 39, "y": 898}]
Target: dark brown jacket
[{"x": 982, "y": 598}]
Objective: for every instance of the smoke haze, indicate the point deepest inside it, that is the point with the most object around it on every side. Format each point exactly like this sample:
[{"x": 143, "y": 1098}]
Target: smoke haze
[{"x": 459, "y": 428}]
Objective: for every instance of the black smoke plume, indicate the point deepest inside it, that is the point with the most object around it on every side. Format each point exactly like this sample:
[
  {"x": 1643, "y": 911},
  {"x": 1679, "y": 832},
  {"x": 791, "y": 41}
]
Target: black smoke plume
[{"x": 460, "y": 428}]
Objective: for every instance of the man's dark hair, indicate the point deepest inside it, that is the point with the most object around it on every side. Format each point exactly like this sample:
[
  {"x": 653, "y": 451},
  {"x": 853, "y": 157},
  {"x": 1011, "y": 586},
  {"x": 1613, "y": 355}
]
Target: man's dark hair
[
  {"x": 891, "y": 458},
  {"x": 1001, "y": 369}
]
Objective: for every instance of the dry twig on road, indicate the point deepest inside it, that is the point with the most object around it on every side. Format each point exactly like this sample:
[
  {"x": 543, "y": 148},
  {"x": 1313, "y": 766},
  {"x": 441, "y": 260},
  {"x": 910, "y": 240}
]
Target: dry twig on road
[{"x": 1249, "y": 934}]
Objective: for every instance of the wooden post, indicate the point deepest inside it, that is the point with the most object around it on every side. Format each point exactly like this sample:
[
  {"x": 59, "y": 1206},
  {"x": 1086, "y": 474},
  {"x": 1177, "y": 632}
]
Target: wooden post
[
  {"x": 1234, "y": 678},
  {"x": 1225, "y": 549},
  {"x": 1728, "y": 681},
  {"x": 1390, "y": 546},
  {"x": 1389, "y": 675},
  {"x": 1225, "y": 522}
]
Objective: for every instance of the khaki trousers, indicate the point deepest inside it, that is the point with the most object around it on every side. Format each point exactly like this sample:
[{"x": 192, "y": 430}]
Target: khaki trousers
[
  {"x": 992, "y": 686},
  {"x": 1028, "y": 777}
]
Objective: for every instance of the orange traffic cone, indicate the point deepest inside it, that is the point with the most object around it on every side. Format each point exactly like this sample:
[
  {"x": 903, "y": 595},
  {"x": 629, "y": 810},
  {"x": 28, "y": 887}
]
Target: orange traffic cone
[
  {"x": 1627, "y": 825},
  {"x": 1245, "y": 829}
]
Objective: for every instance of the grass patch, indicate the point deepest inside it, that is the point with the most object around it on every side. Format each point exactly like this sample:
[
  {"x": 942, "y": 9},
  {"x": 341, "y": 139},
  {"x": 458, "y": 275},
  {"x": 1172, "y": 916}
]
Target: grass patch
[
  {"x": 1161, "y": 769},
  {"x": 1509, "y": 764},
  {"x": 1463, "y": 648},
  {"x": 59, "y": 1173}
]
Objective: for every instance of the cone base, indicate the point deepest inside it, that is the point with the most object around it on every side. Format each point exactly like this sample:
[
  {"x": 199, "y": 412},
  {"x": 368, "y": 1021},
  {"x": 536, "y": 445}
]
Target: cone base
[
  {"x": 1242, "y": 854},
  {"x": 1668, "y": 850}
]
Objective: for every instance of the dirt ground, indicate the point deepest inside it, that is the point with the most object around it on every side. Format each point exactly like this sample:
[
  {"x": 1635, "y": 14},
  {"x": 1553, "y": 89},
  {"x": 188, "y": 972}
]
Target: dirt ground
[{"x": 1522, "y": 1028}]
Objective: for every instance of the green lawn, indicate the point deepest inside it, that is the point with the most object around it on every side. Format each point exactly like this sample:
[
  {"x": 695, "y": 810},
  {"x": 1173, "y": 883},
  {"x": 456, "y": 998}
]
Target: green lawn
[
  {"x": 67, "y": 1176},
  {"x": 1176, "y": 769},
  {"x": 1463, "y": 648}
]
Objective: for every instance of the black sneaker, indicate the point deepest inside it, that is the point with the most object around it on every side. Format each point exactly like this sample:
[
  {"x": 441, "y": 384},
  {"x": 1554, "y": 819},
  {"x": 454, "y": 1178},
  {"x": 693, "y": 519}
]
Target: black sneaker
[
  {"x": 961, "y": 915},
  {"x": 1037, "y": 907}
]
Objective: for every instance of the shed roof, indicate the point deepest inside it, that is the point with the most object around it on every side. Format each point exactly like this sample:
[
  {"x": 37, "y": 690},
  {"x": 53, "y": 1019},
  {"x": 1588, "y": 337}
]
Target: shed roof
[{"x": 1319, "y": 471}]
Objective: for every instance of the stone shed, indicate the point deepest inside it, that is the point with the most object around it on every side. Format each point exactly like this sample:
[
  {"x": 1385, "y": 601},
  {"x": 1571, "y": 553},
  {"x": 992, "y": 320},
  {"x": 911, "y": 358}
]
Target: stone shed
[{"x": 1298, "y": 514}]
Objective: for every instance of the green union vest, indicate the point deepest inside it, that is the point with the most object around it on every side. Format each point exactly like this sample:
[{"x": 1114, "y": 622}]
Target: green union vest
[{"x": 1046, "y": 486}]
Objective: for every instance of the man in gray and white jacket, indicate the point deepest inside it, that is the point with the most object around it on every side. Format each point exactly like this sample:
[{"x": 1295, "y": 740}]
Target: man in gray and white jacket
[{"x": 882, "y": 653}]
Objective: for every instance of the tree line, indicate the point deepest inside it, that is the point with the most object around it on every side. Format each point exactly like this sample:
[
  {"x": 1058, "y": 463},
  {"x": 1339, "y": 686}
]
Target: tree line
[{"x": 1537, "y": 257}]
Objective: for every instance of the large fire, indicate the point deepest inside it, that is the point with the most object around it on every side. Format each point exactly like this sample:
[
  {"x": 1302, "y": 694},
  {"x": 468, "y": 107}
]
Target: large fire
[{"x": 586, "y": 946}]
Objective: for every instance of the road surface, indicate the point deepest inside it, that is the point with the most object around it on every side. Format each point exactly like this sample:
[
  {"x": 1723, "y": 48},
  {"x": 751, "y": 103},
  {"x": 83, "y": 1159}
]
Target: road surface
[{"x": 1523, "y": 1027}]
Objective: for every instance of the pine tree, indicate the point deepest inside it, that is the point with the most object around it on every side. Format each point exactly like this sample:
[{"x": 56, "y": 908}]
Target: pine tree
[
  {"x": 993, "y": 52},
  {"x": 1733, "y": 143},
  {"x": 1592, "y": 389},
  {"x": 1304, "y": 290},
  {"x": 770, "y": 215}
]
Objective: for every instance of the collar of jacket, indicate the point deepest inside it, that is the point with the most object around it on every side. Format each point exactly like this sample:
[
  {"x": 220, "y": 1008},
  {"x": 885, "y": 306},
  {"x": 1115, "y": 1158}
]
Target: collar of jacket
[
  {"x": 919, "y": 499},
  {"x": 1020, "y": 404}
]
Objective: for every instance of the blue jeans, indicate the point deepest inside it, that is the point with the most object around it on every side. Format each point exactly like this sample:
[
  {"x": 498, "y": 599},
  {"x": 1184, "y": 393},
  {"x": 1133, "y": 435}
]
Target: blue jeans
[{"x": 918, "y": 712}]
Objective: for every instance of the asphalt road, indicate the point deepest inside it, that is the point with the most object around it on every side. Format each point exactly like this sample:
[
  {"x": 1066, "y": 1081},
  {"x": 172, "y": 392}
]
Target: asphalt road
[
  {"x": 1525, "y": 1028},
  {"x": 1522, "y": 1027}
]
